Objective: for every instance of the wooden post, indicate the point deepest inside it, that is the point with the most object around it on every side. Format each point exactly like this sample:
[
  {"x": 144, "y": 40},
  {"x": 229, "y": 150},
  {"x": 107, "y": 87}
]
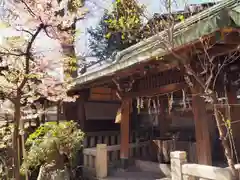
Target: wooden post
[
  {"x": 101, "y": 161},
  {"x": 58, "y": 111},
  {"x": 204, "y": 154},
  {"x": 43, "y": 118},
  {"x": 124, "y": 147},
  {"x": 81, "y": 112}
]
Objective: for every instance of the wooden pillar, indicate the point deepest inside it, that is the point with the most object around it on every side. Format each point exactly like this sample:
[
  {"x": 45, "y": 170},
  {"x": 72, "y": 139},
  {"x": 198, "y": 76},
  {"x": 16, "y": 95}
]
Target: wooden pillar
[
  {"x": 124, "y": 147},
  {"x": 58, "y": 111},
  {"x": 43, "y": 117},
  {"x": 202, "y": 132},
  {"x": 81, "y": 111}
]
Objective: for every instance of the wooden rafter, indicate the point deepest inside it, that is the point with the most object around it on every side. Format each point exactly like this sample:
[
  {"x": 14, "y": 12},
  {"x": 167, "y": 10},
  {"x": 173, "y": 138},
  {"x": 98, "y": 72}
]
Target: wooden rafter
[{"x": 220, "y": 50}]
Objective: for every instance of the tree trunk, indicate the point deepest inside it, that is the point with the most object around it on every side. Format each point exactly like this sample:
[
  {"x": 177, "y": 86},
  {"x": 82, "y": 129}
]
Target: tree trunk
[
  {"x": 16, "y": 149},
  {"x": 223, "y": 138},
  {"x": 37, "y": 121},
  {"x": 22, "y": 145}
]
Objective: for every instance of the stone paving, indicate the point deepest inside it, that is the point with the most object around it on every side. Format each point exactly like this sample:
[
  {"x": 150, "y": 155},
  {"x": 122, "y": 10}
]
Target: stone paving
[{"x": 134, "y": 173}]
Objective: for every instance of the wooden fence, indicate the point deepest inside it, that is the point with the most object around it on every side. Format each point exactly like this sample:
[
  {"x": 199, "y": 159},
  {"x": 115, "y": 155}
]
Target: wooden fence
[
  {"x": 165, "y": 147},
  {"x": 109, "y": 155},
  {"x": 105, "y": 137},
  {"x": 139, "y": 148},
  {"x": 110, "y": 138}
]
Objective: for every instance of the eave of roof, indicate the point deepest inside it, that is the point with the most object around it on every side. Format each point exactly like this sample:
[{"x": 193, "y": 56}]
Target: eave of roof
[{"x": 153, "y": 46}]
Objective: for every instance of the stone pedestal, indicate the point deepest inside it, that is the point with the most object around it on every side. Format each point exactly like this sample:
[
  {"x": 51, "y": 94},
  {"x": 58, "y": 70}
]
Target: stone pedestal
[
  {"x": 178, "y": 158},
  {"x": 101, "y": 161}
]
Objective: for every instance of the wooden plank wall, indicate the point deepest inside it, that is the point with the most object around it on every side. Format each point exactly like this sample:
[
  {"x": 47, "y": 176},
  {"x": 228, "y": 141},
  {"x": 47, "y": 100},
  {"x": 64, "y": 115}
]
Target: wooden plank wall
[{"x": 102, "y": 94}]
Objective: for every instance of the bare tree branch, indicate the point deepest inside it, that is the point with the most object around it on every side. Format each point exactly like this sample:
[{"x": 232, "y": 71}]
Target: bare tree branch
[
  {"x": 29, "y": 54},
  {"x": 29, "y": 9}
]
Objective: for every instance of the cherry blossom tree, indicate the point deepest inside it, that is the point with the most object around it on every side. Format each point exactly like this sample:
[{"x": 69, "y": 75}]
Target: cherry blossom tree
[{"x": 27, "y": 74}]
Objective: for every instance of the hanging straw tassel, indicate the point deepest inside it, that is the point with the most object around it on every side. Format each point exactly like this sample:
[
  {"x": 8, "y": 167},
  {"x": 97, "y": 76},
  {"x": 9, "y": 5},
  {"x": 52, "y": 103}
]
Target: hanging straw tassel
[
  {"x": 184, "y": 100},
  {"x": 149, "y": 106},
  {"x": 154, "y": 106},
  {"x": 170, "y": 103},
  {"x": 138, "y": 105},
  {"x": 119, "y": 115},
  {"x": 142, "y": 103},
  {"x": 158, "y": 106}
]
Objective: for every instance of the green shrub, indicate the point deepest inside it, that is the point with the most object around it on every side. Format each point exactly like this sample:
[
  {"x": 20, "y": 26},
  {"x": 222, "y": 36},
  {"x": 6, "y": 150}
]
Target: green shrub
[
  {"x": 5, "y": 149},
  {"x": 51, "y": 140},
  {"x": 6, "y": 136}
]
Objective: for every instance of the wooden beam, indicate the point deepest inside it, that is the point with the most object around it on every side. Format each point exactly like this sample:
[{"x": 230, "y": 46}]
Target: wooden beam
[
  {"x": 156, "y": 91},
  {"x": 219, "y": 50},
  {"x": 204, "y": 154},
  {"x": 229, "y": 43},
  {"x": 232, "y": 38}
]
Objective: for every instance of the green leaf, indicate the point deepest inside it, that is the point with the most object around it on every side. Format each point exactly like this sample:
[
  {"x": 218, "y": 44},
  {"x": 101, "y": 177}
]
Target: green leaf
[
  {"x": 123, "y": 36},
  {"x": 228, "y": 123},
  {"x": 108, "y": 35},
  {"x": 137, "y": 20},
  {"x": 158, "y": 58},
  {"x": 181, "y": 18},
  {"x": 73, "y": 68}
]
